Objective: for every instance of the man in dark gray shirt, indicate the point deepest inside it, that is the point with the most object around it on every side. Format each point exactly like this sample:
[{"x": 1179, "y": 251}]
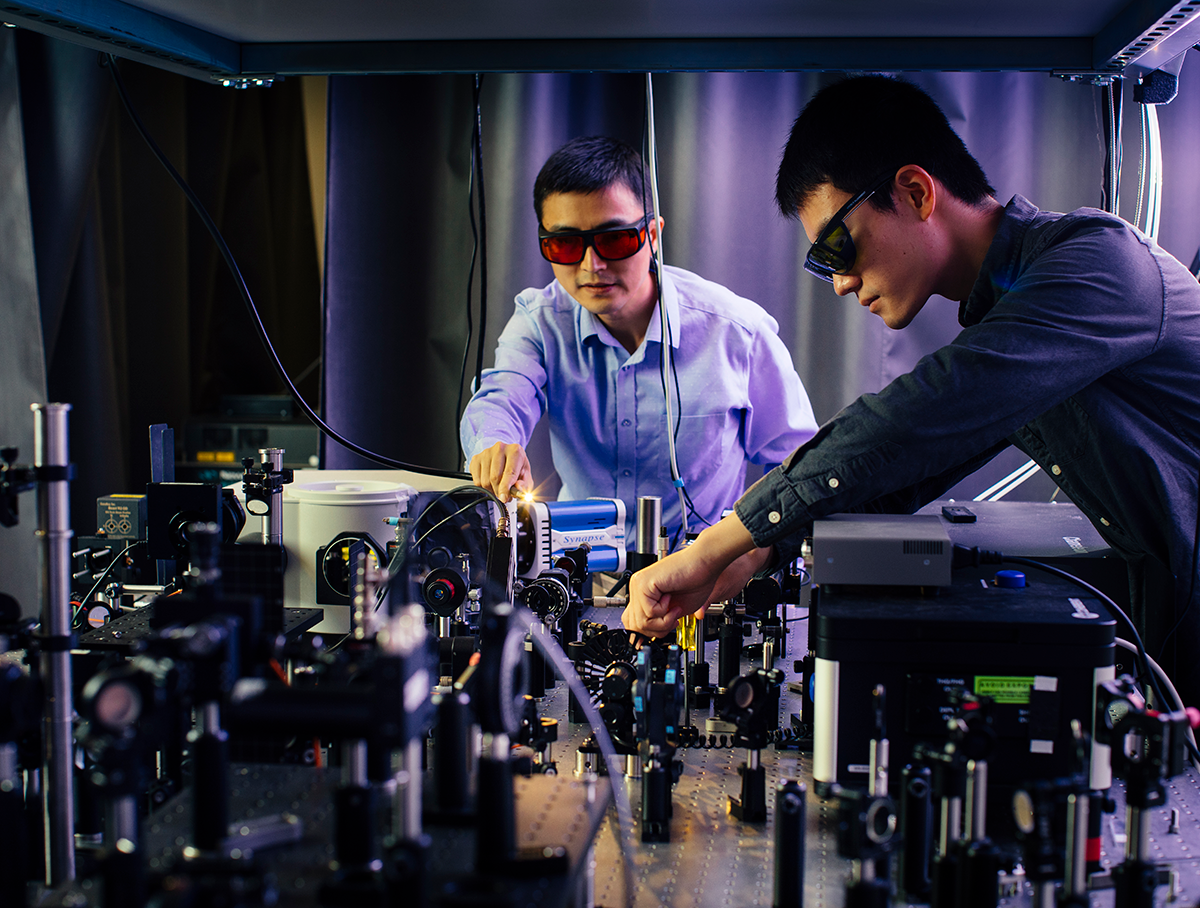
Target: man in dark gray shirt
[{"x": 1080, "y": 345}]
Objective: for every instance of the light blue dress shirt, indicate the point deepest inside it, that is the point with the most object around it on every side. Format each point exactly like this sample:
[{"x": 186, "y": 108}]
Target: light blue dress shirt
[{"x": 739, "y": 397}]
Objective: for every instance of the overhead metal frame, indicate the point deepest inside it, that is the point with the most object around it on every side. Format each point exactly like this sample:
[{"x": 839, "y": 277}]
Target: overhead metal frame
[
  {"x": 1142, "y": 28},
  {"x": 670, "y": 55},
  {"x": 126, "y": 31}
]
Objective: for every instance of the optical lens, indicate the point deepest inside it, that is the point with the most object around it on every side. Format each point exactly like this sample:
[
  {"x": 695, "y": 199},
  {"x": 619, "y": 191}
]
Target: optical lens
[
  {"x": 837, "y": 241},
  {"x": 563, "y": 250},
  {"x": 618, "y": 244},
  {"x": 832, "y": 253}
]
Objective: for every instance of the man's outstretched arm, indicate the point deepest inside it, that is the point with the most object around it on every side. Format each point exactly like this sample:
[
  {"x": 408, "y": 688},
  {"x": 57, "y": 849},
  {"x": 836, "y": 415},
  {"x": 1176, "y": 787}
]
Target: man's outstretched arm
[{"x": 713, "y": 568}]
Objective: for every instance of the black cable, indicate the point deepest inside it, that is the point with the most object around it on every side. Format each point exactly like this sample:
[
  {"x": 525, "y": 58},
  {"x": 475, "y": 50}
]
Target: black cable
[
  {"x": 398, "y": 560},
  {"x": 620, "y": 584},
  {"x": 469, "y": 504},
  {"x": 466, "y": 357},
  {"x": 244, "y": 292},
  {"x": 1112, "y": 120},
  {"x": 478, "y": 490},
  {"x": 108, "y": 570},
  {"x": 1116, "y": 609},
  {"x": 482, "y": 233}
]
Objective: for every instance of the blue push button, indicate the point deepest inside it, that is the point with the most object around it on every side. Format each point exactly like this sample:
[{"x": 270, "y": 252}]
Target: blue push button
[{"x": 1010, "y": 580}]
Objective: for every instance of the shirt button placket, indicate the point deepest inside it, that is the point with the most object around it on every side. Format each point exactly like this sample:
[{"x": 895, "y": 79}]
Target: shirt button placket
[{"x": 626, "y": 434}]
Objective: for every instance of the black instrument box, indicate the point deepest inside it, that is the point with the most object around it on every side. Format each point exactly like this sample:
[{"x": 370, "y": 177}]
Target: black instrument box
[{"x": 1038, "y": 651}]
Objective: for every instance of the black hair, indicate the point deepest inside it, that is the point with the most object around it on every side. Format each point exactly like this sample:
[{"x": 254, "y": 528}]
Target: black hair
[
  {"x": 852, "y": 133},
  {"x": 589, "y": 164}
]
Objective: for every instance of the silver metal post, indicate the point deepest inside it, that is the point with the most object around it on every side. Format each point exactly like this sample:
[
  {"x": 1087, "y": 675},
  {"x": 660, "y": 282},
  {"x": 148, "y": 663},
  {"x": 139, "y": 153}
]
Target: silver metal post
[
  {"x": 975, "y": 821},
  {"x": 1137, "y": 832},
  {"x": 649, "y": 522},
  {"x": 54, "y": 533},
  {"x": 407, "y": 803},
  {"x": 877, "y": 785},
  {"x": 9, "y": 774},
  {"x": 272, "y": 532},
  {"x": 404, "y": 634},
  {"x": 1075, "y": 877},
  {"x": 354, "y": 763},
  {"x": 124, "y": 820},
  {"x": 950, "y": 824},
  {"x": 209, "y": 718},
  {"x": 1045, "y": 895}
]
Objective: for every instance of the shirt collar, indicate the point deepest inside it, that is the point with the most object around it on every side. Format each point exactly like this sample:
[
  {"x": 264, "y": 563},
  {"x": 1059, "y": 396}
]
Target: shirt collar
[
  {"x": 1002, "y": 263},
  {"x": 588, "y": 325}
]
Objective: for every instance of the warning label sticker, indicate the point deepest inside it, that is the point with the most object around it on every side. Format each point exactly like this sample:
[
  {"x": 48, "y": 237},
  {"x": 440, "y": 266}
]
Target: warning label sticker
[{"x": 1004, "y": 688}]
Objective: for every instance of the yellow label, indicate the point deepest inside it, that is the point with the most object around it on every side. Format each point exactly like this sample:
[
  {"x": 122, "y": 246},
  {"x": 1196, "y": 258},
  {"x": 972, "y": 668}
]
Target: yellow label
[
  {"x": 685, "y": 633},
  {"x": 1004, "y": 688},
  {"x": 226, "y": 456}
]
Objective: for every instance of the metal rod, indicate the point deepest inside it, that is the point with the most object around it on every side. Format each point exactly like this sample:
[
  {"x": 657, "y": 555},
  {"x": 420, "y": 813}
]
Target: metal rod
[
  {"x": 877, "y": 785},
  {"x": 1075, "y": 876},
  {"x": 977, "y": 795},
  {"x": 54, "y": 533},
  {"x": 950, "y": 824},
  {"x": 649, "y": 523},
  {"x": 9, "y": 775},
  {"x": 354, "y": 763},
  {"x": 125, "y": 820},
  {"x": 408, "y": 795},
  {"x": 272, "y": 529},
  {"x": 1137, "y": 832},
  {"x": 1045, "y": 894}
]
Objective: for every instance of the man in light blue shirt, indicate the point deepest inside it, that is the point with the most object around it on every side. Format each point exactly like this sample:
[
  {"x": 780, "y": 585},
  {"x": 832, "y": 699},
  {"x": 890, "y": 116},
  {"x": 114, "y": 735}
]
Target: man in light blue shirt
[{"x": 585, "y": 352}]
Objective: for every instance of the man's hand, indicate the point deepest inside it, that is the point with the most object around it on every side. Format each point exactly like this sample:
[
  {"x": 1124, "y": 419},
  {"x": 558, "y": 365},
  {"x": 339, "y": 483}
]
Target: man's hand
[
  {"x": 715, "y": 567},
  {"x": 501, "y": 467}
]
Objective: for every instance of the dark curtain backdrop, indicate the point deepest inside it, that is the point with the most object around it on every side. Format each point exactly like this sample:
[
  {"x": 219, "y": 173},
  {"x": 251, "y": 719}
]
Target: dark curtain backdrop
[
  {"x": 399, "y": 240},
  {"x": 22, "y": 363},
  {"x": 140, "y": 322}
]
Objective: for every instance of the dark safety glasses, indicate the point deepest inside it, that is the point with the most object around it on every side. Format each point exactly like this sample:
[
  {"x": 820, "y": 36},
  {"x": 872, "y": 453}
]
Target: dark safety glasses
[
  {"x": 568, "y": 247},
  {"x": 833, "y": 251}
]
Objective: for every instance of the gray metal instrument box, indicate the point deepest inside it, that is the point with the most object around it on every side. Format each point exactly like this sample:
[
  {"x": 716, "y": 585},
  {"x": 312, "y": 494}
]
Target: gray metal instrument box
[{"x": 881, "y": 549}]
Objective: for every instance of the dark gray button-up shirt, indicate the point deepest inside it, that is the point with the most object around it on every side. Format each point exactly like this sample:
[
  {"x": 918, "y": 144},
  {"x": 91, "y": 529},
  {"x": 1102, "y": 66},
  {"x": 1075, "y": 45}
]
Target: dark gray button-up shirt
[{"x": 1081, "y": 346}]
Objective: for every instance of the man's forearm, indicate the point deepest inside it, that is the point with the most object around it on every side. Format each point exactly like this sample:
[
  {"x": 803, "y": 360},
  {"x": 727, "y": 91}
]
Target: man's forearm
[{"x": 723, "y": 543}]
